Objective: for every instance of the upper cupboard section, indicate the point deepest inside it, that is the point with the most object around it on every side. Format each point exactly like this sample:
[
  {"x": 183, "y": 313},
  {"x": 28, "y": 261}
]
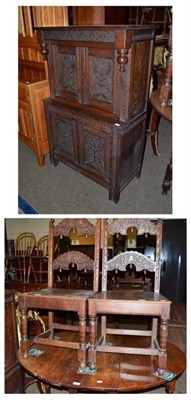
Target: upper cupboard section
[{"x": 105, "y": 69}]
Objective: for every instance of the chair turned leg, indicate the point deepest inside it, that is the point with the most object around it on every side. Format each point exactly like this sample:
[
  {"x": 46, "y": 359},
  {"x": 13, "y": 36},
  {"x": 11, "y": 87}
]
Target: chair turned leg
[
  {"x": 82, "y": 348},
  {"x": 92, "y": 348},
  {"x": 24, "y": 335},
  {"x": 162, "y": 358}
]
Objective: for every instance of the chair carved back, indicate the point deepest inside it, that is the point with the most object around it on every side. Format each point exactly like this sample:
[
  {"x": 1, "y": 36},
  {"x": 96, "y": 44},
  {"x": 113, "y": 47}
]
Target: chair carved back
[
  {"x": 139, "y": 260},
  {"x": 82, "y": 262}
]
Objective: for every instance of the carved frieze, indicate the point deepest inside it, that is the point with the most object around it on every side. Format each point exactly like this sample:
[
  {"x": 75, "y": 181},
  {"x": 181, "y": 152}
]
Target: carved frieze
[
  {"x": 73, "y": 258},
  {"x": 142, "y": 226},
  {"x": 82, "y": 226},
  {"x": 139, "y": 260},
  {"x": 79, "y": 35}
]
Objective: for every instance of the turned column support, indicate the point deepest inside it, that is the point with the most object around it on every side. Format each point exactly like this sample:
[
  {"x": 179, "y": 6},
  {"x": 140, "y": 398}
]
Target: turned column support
[
  {"x": 92, "y": 348},
  {"x": 122, "y": 59},
  {"x": 44, "y": 50},
  {"x": 82, "y": 344},
  {"x": 162, "y": 358}
]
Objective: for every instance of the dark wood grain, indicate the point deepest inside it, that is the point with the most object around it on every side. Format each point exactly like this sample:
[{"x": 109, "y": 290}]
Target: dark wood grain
[{"x": 115, "y": 372}]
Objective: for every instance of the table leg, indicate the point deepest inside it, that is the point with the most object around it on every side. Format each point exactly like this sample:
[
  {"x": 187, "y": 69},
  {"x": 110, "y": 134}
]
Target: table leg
[
  {"x": 171, "y": 386},
  {"x": 162, "y": 358},
  {"x": 24, "y": 335},
  {"x": 92, "y": 348},
  {"x": 155, "y": 119},
  {"x": 167, "y": 178},
  {"x": 82, "y": 348}
]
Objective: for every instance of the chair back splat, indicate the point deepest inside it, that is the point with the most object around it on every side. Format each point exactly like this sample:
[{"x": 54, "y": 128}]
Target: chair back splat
[{"x": 141, "y": 262}]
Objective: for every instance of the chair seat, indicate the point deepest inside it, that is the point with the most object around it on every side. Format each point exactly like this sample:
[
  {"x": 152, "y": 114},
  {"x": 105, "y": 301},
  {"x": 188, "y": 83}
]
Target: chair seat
[{"x": 130, "y": 303}]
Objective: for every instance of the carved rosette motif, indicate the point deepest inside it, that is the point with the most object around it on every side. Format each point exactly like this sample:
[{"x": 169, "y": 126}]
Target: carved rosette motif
[
  {"x": 140, "y": 261},
  {"x": 142, "y": 226},
  {"x": 94, "y": 151},
  {"x": 82, "y": 226},
  {"x": 82, "y": 261},
  {"x": 65, "y": 138},
  {"x": 68, "y": 75},
  {"x": 101, "y": 79}
]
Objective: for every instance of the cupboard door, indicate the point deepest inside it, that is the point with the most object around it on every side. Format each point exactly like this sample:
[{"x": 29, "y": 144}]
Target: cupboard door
[
  {"x": 62, "y": 137},
  {"x": 94, "y": 140},
  {"x": 65, "y": 73},
  {"x": 99, "y": 85},
  {"x": 26, "y": 125}
]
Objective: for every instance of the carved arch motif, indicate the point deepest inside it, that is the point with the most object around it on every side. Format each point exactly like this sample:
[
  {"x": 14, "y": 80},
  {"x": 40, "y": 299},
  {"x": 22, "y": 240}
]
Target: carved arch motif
[
  {"x": 140, "y": 261},
  {"x": 81, "y": 260},
  {"x": 142, "y": 226},
  {"x": 82, "y": 226}
]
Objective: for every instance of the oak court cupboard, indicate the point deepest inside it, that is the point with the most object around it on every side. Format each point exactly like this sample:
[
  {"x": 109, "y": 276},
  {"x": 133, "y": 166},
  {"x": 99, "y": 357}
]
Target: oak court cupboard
[{"x": 99, "y": 85}]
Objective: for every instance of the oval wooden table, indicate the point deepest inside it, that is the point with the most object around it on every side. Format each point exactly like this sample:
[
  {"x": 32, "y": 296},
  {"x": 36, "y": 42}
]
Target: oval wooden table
[
  {"x": 116, "y": 373},
  {"x": 159, "y": 111}
]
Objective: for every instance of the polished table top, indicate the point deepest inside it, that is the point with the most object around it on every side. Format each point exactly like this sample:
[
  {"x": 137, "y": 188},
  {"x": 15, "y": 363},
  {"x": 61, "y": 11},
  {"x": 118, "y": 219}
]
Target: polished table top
[
  {"x": 58, "y": 366},
  {"x": 165, "y": 112}
]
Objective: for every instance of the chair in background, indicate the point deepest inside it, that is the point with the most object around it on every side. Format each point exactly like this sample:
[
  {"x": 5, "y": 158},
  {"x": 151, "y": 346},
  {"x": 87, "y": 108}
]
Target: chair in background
[
  {"x": 53, "y": 299},
  {"x": 39, "y": 260},
  {"x": 136, "y": 303},
  {"x": 21, "y": 259}
]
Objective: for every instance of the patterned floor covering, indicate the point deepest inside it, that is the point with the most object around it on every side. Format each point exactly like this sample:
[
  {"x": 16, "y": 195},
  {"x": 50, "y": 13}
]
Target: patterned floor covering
[{"x": 177, "y": 326}]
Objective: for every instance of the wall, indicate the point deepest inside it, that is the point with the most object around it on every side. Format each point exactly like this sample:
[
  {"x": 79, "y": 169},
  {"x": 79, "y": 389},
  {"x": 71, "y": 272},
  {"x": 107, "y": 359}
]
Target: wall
[{"x": 38, "y": 226}]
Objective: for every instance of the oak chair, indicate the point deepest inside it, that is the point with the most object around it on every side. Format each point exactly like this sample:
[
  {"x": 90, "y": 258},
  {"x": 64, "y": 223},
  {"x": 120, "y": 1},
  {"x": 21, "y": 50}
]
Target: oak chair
[
  {"x": 72, "y": 300},
  {"x": 130, "y": 302}
]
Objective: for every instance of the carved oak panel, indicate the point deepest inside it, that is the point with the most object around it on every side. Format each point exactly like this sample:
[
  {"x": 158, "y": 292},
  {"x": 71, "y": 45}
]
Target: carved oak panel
[
  {"x": 65, "y": 136},
  {"x": 68, "y": 73},
  {"x": 101, "y": 74},
  {"x": 139, "y": 78},
  {"x": 94, "y": 146}
]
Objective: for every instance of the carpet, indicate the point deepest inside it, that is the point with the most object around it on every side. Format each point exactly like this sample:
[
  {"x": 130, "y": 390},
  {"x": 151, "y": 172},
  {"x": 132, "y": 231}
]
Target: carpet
[
  {"x": 24, "y": 207},
  {"x": 177, "y": 326}
]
